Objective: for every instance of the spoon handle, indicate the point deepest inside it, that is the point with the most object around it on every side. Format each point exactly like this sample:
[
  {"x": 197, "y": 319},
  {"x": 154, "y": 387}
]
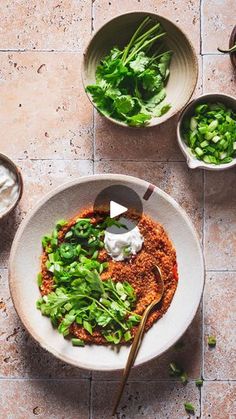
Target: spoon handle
[
  {"x": 138, "y": 338},
  {"x": 133, "y": 354}
]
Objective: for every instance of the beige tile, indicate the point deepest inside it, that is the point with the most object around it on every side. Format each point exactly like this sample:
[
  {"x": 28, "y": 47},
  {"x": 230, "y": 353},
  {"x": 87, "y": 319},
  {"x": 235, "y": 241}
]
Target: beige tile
[
  {"x": 39, "y": 178},
  {"x": 51, "y": 25},
  {"x": 183, "y": 184},
  {"x": 219, "y": 321},
  {"x": 187, "y": 353},
  {"x": 115, "y": 142},
  {"x": 152, "y": 400},
  {"x": 220, "y": 220},
  {"x": 219, "y": 400},
  {"x": 47, "y": 399},
  {"x": 42, "y": 176},
  {"x": 45, "y": 112},
  {"x": 218, "y": 75},
  {"x": 20, "y": 355},
  {"x": 185, "y": 13},
  {"x": 217, "y": 24}
]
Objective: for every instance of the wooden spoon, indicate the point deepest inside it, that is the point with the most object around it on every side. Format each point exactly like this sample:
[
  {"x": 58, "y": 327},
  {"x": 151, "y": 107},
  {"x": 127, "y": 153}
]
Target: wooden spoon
[{"x": 138, "y": 338}]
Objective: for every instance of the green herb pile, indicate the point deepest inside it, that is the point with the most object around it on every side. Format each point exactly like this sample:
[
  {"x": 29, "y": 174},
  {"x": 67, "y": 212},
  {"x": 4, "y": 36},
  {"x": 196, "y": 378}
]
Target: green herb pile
[
  {"x": 79, "y": 295},
  {"x": 211, "y": 133},
  {"x": 130, "y": 83}
]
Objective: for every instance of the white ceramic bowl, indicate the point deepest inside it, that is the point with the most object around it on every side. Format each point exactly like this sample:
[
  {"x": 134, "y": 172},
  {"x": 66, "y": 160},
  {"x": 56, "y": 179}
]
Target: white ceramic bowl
[
  {"x": 183, "y": 68},
  {"x": 65, "y": 202},
  {"x": 187, "y": 112},
  {"x": 7, "y": 162}
]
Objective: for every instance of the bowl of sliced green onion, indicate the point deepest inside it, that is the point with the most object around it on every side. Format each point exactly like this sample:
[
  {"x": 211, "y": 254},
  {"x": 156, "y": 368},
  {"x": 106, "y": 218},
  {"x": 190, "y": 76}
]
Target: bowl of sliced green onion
[{"x": 206, "y": 132}]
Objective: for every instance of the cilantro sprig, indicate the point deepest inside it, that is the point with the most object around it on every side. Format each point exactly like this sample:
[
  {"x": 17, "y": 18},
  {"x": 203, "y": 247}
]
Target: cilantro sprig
[
  {"x": 79, "y": 295},
  {"x": 130, "y": 83}
]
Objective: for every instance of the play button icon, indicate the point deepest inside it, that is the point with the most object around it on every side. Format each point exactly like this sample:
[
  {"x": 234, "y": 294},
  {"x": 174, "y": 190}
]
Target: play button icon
[
  {"x": 122, "y": 204},
  {"x": 116, "y": 209}
]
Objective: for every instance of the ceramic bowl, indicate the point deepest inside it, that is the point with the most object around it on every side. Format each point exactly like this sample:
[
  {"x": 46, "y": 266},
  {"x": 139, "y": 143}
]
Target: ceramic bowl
[
  {"x": 11, "y": 165},
  {"x": 183, "y": 69},
  {"x": 65, "y": 202},
  {"x": 232, "y": 42},
  {"x": 187, "y": 112}
]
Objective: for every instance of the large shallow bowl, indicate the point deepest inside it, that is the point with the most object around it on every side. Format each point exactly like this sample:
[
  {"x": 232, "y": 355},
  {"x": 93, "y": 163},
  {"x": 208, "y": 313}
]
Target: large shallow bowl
[
  {"x": 188, "y": 111},
  {"x": 183, "y": 69},
  {"x": 232, "y": 42},
  {"x": 65, "y": 202}
]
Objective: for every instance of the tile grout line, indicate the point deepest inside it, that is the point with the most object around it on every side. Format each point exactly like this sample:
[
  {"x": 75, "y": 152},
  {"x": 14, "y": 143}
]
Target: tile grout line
[
  {"x": 88, "y": 379},
  {"x": 76, "y": 51},
  {"x": 93, "y": 133},
  {"x": 90, "y": 395}
]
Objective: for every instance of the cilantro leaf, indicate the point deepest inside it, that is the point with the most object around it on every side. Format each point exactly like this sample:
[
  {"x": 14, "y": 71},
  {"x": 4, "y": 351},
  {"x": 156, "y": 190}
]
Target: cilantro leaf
[
  {"x": 139, "y": 63},
  {"x": 164, "y": 64},
  {"x": 151, "y": 81},
  {"x": 138, "y": 120},
  {"x": 161, "y": 109},
  {"x": 124, "y": 104},
  {"x": 156, "y": 99}
]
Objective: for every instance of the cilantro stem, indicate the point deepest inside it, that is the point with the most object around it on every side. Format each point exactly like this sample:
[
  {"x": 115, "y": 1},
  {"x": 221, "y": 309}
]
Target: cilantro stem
[
  {"x": 143, "y": 37},
  {"x": 144, "y": 45},
  {"x": 141, "y": 26}
]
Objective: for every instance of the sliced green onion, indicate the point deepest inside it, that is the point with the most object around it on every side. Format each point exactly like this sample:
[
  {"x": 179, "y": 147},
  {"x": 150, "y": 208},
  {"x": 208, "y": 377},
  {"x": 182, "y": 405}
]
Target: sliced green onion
[
  {"x": 199, "y": 382},
  {"x": 189, "y": 408},
  {"x": 211, "y": 341},
  {"x": 77, "y": 342}
]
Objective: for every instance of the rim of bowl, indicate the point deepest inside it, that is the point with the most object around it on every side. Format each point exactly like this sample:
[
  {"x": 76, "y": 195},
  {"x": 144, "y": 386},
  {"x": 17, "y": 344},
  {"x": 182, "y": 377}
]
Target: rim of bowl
[
  {"x": 115, "y": 176},
  {"x": 10, "y": 163},
  {"x": 195, "y": 66},
  {"x": 192, "y": 161},
  {"x": 232, "y": 41}
]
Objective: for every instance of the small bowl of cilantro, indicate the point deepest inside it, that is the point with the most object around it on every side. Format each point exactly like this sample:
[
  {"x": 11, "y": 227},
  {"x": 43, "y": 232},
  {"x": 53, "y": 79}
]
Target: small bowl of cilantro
[
  {"x": 139, "y": 69},
  {"x": 206, "y": 132}
]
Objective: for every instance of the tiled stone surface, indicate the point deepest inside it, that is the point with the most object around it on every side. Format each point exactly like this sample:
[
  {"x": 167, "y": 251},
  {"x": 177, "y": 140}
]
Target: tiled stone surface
[
  {"x": 45, "y": 112},
  {"x": 184, "y": 13},
  {"x": 144, "y": 399},
  {"x": 49, "y": 25},
  {"x": 219, "y": 400},
  {"x": 46, "y": 399},
  {"x": 217, "y": 24},
  {"x": 218, "y": 75},
  {"x": 183, "y": 184},
  {"x": 115, "y": 142},
  {"x": 219, "y": 321},
  {"x": 20, "y": 355},
  {"x": 220, "y": 220},
  {"x": 40, "y": 176},
  {"x": 47, "y": 127}
]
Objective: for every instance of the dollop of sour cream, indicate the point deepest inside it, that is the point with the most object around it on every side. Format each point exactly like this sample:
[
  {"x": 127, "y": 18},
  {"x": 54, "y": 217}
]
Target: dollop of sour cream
[
  {"x": 9, "y": 188},
  {"x": 122, "y": 246}
]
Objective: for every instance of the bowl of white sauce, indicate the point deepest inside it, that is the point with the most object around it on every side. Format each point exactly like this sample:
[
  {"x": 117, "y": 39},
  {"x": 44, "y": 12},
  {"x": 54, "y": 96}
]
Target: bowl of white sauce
[{"x": 11, "y": 185}]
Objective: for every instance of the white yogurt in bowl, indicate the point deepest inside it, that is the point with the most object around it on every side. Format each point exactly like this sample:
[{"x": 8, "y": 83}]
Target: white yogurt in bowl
[
  {"x": 122, "y": 246},
  {"x": 10, "y": 186}
]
